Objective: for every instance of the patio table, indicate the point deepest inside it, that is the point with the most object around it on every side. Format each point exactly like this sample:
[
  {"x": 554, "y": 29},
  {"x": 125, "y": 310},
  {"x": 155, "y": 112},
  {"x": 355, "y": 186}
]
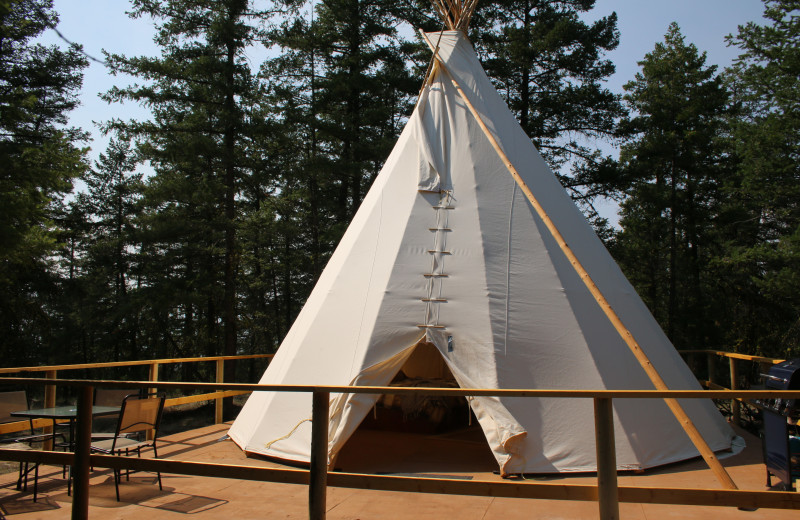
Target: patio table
[{"x": 70, "y": 413}]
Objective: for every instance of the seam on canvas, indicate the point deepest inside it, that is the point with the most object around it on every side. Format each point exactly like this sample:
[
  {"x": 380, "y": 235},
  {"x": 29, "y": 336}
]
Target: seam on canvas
[
  {"x": 369, "y": 284},
  {"x": 508, "y": 265}
]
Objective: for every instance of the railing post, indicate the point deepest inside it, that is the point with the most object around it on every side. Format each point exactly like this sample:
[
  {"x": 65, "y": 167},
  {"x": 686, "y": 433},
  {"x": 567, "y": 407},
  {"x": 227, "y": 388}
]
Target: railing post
[
  {"x": 83, "y": 441},
  {"x": 153, "y": 378},
  {"x": 763, "y": 368},
  {"x": 49, "y": 402},
  {"x": 710, "y": 358},
  {"x": 153, "y": 375},
  {"x": 318, "y": 478},
  {"x": 607, "y": 493},
  {"x": 735, "y": 407},
  {"x": 218, "y": 402}
]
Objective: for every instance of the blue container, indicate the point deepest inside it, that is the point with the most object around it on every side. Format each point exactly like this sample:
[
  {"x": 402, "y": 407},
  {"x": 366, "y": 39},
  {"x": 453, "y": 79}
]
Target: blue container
[{"x": 778, "y": 413}]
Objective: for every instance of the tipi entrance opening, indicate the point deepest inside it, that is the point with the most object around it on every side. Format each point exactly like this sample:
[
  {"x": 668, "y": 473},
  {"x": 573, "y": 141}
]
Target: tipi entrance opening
[{"x": 419, "y": 433}]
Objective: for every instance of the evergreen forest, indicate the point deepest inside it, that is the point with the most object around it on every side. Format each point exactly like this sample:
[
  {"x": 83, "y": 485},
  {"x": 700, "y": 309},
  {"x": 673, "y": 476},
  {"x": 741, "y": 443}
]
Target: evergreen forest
[{"x": 202, "y": 229}]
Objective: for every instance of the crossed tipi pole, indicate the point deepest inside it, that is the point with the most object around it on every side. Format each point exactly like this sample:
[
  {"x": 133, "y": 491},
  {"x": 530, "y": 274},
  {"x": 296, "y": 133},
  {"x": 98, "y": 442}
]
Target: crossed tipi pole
[{"x": 456, "y": 15}]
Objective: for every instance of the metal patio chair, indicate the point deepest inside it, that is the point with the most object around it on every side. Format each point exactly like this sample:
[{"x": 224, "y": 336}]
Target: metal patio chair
[
  {"x": 138, "y": 415},
  {"x": 110, "y": 397},
  {"x": 12, "y": 402}
]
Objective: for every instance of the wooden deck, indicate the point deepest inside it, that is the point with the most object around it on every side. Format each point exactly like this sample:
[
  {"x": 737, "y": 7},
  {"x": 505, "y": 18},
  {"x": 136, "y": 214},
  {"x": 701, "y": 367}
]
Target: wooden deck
[{"x": 460, "y": 455}]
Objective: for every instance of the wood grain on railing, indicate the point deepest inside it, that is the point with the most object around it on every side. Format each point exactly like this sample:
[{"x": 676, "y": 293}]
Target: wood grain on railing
[
  {"x": 51, "y": 372},
  {"x": 735, "y": 355},
  {"x": 18, "y": 426},
  {"x": 111, "y": 364}
]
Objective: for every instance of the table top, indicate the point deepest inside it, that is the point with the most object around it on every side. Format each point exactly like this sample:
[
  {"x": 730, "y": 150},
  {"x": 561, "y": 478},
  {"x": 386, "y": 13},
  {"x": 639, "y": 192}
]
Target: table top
[{"x": 64, "y": 412}]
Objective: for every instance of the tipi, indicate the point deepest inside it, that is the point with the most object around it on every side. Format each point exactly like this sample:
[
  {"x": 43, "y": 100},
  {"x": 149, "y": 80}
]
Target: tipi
[{"x": 447, "y": 249}]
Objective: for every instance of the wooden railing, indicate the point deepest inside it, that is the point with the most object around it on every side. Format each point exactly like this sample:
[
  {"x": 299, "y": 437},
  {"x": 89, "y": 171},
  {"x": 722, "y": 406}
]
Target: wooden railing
[
  {"x": 734, "y": 360},
  {"x": 606, "y": 492},
  {"x": 51, "y": 373}
]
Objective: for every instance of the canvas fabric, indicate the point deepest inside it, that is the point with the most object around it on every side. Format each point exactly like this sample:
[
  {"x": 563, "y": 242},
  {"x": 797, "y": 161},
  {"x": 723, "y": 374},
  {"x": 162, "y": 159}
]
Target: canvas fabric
[{"x": 446, "y": 249}]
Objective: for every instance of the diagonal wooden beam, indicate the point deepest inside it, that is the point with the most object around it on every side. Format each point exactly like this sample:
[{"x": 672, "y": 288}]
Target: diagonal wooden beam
[
  {"x": 453, "y": 9},
  {"x": 677, "y": 410},
  {"x": 443, "y": 10},
  {"x": 430, "y": 73},
  {"x": 467, "y": 14}
]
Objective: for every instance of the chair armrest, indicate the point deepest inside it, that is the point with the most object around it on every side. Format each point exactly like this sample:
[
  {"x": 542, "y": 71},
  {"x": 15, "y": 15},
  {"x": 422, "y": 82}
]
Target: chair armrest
[{"x": 100, "y": 436}]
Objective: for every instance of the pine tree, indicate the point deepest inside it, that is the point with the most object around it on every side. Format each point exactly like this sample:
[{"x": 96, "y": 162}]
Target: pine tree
[
  {"x": 364, "y": 95},
  {"x": 761, "y": 262},
  {"x": 201, "y": 92},
  {"x": 548, "y": 63},
  {"x": 40, "y": 157},
  {"x": 106, "y": 309},
  {"x": 674, "y": 159},
  {"x": 338, "y": 96}
]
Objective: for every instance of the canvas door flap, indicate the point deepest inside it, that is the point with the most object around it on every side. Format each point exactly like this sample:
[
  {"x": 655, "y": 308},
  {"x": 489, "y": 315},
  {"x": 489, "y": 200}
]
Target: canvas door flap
[
  {"x": 504, "y": 433},
  {"x": 348, "y": 410}
]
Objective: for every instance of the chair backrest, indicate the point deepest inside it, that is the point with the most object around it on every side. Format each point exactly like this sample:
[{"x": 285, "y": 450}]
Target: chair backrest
[
  {"x": 112, "y": 396},
  {"x": 12, "y": 402},
  {"x": 140, "y": 413}
]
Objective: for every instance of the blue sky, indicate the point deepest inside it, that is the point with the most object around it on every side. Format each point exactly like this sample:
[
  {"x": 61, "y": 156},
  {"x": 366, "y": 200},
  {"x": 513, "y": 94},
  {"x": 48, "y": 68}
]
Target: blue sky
[
  {"x": 705, "y": 23},
  {"x": 103, "y": 25}
]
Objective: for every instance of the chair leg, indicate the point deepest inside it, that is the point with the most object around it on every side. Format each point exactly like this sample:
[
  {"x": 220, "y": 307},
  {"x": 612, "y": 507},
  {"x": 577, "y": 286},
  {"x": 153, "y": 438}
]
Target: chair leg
[
  {"x": 117, "y": 477},
  {"x": 158, "y": 473},
  {"x": 22, "y": 474},
  {"x": 35, "y": 481},
  {"x": 22, "y": 479}
]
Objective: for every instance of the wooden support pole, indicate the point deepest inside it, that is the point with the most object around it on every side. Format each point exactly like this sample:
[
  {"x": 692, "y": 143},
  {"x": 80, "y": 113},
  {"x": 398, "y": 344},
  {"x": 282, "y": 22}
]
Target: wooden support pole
[
  {"x": 710, "y": 358},
  {"x": 318, "y": 480},
  {"x": 607, "y": 491},
  {"x": 83, "y": 442},
  {"x": 219, "y": 401},
  {"x": 736, "y": 410},
  {"x": 153, "y": 376},
  {"x": 677, "y": 410},
  {"x": 49, "y": 402}
]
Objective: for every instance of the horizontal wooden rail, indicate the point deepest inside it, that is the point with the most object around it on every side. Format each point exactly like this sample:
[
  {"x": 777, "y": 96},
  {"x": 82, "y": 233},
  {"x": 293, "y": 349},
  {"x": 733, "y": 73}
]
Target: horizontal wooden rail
[
  {"x": 401, "y": 390},
  {"x": 734, "y": 355},
  {"x": 714, "y": 386},
  {"x": 734, "y": 360},
  {"x": 18, "y": 426},
  {"x": 175, "y": 401},
  {"x": 318, "y": 479},
  {"x": 527, "y": 489},
  {"x": 111, "y": 364},
  {"x": 51, "y": 372}
]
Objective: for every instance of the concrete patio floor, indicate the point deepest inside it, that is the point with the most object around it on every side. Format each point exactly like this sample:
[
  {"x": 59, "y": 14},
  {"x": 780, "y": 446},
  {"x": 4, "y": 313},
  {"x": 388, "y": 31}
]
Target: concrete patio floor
[{"x": 460, "y": 455}]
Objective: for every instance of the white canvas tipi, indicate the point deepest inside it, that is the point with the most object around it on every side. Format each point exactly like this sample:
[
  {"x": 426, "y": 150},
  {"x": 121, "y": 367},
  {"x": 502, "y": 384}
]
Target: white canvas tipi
[{"x": 447, "y": 250}]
